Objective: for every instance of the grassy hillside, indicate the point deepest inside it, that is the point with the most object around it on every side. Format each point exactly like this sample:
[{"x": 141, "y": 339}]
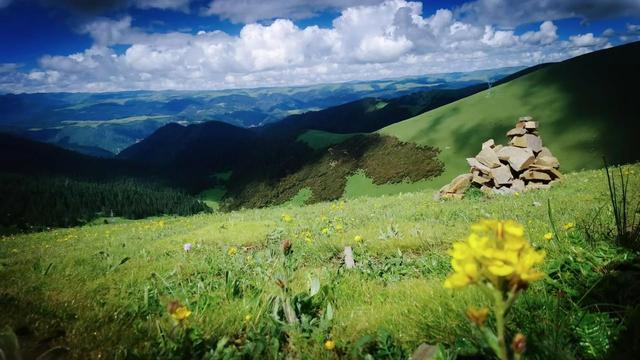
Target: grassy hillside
[
  {"x": 102, "y": 291},
  {"x": 587, "y": 108}
]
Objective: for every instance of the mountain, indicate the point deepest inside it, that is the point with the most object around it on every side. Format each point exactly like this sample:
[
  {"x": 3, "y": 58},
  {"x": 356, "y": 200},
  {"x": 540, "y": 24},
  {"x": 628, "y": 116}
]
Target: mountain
[
  {"x": 269, "y": 164},
  {"x": 99, "y": 122},
  {"x": 587, "y": 108}
]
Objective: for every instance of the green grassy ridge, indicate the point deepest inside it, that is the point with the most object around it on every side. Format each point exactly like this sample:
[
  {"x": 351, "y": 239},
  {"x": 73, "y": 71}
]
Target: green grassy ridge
[
  {"x": 73, "y": 280},
  {"x": 318, "y": 139},
  {"x": 586, "y": 107}
]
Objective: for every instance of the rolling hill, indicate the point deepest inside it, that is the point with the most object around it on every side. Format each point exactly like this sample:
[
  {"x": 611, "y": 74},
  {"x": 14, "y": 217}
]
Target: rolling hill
[{"x": 587, "y": 107}]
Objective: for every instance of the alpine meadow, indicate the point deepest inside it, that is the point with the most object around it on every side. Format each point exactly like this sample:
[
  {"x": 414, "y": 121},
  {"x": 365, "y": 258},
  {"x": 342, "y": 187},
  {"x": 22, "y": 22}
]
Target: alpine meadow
[{"x": 357, "y": 179}]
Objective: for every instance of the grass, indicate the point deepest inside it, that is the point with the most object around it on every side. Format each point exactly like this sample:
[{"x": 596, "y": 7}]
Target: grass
[{"x": 102, "y": 290}]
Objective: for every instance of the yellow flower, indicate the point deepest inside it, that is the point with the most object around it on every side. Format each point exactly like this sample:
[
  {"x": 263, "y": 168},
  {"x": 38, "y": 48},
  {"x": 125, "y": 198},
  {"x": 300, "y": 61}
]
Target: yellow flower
[
  {"x": 548, "y": 236},
  {"x": 495, "y": 252},
  {"x": 287, "y": 218},
  {"x": 324, "y": 231},
  {"x": 329, "y": 344},
  {"x": 477, "y": 316},
  {"x": 232, "y": 251},
  {"x": 358, "y": 238},
  {"x": 569, "y": 226},
  {"x": 516, "y": 193},
  {"x": 178, "y": 311},
  {"x": 247, "y": 317}
]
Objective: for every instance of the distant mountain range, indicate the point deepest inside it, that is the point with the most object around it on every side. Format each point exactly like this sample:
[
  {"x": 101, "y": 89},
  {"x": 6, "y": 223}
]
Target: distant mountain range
[{"x": 103, "y": 124}]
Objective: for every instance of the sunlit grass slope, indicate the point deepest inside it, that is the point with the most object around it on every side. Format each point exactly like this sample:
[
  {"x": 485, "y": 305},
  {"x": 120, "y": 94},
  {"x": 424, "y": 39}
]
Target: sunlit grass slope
[
  {"x": 587, "y": 108},
  {"x": 102, "y": 290}
]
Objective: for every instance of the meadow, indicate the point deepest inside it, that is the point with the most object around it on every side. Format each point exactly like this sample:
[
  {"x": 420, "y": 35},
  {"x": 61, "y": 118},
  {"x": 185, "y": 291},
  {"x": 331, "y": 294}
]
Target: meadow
[{"x": 226, "y": 285}]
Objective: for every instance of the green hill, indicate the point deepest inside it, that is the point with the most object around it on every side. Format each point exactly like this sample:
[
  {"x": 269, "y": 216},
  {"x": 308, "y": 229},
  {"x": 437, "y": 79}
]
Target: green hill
[{"x": 587, "y": 108}]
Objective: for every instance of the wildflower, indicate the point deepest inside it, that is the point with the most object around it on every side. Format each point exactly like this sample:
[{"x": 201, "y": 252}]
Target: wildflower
[
  {"x": 324, "y": 231},
  {"x": 287, "y": 218},
  {"x": 516, "y": 193},
  {"x": 247, "y": 317},
  {"x": 186, "y": 247},
  {"x": 232, "y": 251},
  {"x": 478, "y": 316},
  {"x": 494, "y": 252},
  {"x": 548, "y": 236},
  {"x": 569, "y": 226},
  {"x": 358, "y": 238},
  {"x": 329, "y": 344},
  {"x": 178, "y": 311},
  {"x": 519, "y": 343},
  {"x": 286, "y": 247}
]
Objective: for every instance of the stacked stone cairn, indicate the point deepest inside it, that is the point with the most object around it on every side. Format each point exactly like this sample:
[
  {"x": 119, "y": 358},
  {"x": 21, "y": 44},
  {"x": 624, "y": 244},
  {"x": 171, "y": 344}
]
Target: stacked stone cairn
[{"x": 522, "y": 165}]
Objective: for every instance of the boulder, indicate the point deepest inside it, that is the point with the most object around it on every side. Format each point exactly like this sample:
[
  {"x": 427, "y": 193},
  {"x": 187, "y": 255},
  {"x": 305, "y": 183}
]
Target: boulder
[
  {"x": 489, "y": 144},
  {"x": 546, "y": 160},
  {"x": 518, "y": 185},
  {"x": 457, "y": 186},
  {"x": 545, "y": 152},
  {"x": 488, "y": 157},
  {"x": 531, "y": 125},
  {"x": 530, "y": 141},
  {"x": 475, "y": 164},
  {"x": 502, "y": 175},
  {"x": 535, "y": 175},
  {"x": 516, "y": 132},
  {"x": 518, "y": 158}
]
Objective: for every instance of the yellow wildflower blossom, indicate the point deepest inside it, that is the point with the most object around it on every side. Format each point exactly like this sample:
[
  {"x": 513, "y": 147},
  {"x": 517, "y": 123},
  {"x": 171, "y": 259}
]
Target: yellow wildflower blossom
[
  {"x": 329, "y": 344},
  {"x": 358, "y": 238},
  {"x": 548, "y": 236},
  {"x": 232, "y": 251},
  {"x": 478, "y": 316},
  {"x": 287, "y": 218},
  {"x": 247, "y": 317},
  {"x": 324, "y": 231},
  {"x": 495, "y": 252},
  {"x": 569, "y": 226},
  {"x": 178, "y": 311}
]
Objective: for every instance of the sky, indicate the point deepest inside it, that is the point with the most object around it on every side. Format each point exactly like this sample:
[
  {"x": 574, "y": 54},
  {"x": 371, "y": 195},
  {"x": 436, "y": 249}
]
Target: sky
[{"x": 117, "y": 45}]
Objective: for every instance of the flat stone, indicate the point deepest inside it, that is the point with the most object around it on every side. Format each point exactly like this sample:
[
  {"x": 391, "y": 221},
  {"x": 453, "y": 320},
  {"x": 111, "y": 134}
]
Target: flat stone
[
  {"x": 480, "y": 180},
  {"x": 518, "y": 185},
  {"x": 518, "y": 158},
  {"x": 488, "y": 157},
  {"x": 546, "y": 160},
  {"x": 530, "y": 141},
  {"x": 545, "y": 152},
  {"x": 525, "y": 118},
  {"x": 475, "y": 164},
  {"x": 502, "y": 175},
  {"x": 457, "y": 186},
  {"x": 547, "y": 169},
  {"x": 516, "y": 132},
  {"x": 531, "y": 125},
  {"x": 535, "y": 175},
  {"x": 489, "y": 144}
]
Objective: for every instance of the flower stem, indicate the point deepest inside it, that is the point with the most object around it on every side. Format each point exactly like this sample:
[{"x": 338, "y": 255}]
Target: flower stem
[{"x": 500, "y": 309}]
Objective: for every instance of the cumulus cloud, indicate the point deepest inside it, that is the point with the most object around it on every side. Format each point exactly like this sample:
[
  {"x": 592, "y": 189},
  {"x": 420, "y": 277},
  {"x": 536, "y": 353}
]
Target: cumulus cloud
[
  {"x": 248, "y": 11},
  {"x": 389, "y": 39},
  {"x": 512, "y": 13}
]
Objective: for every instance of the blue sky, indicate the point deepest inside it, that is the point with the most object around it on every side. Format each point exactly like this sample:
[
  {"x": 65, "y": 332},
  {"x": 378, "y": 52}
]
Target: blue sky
[{"x": 50, "y": 45}]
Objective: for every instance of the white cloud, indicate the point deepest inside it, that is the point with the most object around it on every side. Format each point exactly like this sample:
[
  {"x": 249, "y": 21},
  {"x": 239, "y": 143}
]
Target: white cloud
[
  {"x": 365, "y": 42},
  {"x": 248, "y": 11},
  {"x": 609, "y": 32},
  {"x": 512, "y": 13}
]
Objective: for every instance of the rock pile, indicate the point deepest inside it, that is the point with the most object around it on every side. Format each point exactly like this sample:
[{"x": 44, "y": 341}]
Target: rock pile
[{"x": 522, "y": 165}]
